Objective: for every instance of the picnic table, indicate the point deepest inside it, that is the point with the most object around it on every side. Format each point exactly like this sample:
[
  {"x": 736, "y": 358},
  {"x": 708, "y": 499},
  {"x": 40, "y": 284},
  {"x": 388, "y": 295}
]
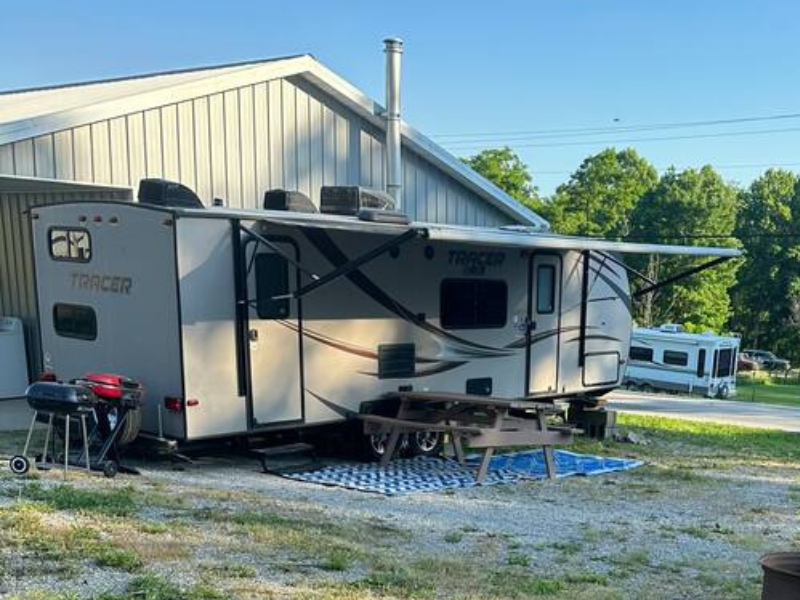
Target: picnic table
[{"x": 473, "y": 421}]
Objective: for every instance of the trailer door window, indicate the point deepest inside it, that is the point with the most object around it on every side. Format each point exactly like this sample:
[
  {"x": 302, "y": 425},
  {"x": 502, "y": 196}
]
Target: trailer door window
[
  {"x": 272, "y": 279},
  {"x": 724, "y": 363},
  {"x": 545, "y": 289},
  {"x": 473, "y": 304},
  {"x": 72, "y": 244},
  {"x": 641, "y": 354},
  {"x": 678, "y": 359},
  {"x": 75, "y": 321},
  {"x": 701, "y": 362}
]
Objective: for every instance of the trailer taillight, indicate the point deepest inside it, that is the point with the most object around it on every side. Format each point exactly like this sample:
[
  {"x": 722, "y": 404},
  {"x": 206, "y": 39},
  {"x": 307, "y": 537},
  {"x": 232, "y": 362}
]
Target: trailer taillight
[{"x": 173, "y": 404}]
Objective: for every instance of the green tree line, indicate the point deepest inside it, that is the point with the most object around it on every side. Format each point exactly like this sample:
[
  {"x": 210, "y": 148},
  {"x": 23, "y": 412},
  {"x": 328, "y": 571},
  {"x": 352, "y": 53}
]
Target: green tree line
[{"x": 619, "y": 195}]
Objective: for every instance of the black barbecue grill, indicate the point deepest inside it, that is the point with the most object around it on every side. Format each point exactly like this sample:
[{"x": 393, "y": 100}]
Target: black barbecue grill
[{"x": 110, "y": 403}]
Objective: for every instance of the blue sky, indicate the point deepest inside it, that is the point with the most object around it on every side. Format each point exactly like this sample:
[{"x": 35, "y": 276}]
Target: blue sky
[{"x": 475, "y": 67}]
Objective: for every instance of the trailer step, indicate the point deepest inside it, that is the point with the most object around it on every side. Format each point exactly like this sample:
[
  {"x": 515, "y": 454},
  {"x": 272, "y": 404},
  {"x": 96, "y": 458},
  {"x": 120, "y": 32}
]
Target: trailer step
[{"x": 275, "y": 454}]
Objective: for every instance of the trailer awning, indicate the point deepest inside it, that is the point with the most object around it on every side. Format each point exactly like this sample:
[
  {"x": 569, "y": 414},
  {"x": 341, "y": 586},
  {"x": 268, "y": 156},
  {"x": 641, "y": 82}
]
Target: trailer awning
[{"x": 509, "y": 237}]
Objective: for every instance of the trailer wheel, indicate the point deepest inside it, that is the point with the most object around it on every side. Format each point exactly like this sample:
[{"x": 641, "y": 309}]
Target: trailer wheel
[
  {"x": 110, "y": 469},
  {"x": 425, "y": 443},
  {"x": 374, "y": 445},
  {"x": 723, "y": 392},
  {"x": 19, "y": 464}
]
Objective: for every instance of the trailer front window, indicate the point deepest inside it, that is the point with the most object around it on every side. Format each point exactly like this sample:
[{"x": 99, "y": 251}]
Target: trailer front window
[
  {"x": 72, "y": 244},
  {"x": 724, "y": 363},
  {"x": 75, "y": 321},
  {"x": 641, "y": 354}
]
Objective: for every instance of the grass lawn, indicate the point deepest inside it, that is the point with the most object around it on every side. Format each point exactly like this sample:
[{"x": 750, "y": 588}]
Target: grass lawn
[
  {"x": 690, "y": 524},
  {"x": 768, "y": 390}
]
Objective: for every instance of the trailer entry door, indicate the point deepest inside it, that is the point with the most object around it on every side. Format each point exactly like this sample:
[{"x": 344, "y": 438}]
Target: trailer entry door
[
  {"x": 274, "y": 336},
  {"x": 544, "y": 323}
]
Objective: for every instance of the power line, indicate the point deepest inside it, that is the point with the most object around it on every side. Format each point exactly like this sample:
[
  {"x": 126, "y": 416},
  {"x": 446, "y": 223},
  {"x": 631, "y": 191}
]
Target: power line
[
  {"x": 476, "y": 145},
  {"x": 620, "y": 129},
  {"x": 535, "y": 172}
]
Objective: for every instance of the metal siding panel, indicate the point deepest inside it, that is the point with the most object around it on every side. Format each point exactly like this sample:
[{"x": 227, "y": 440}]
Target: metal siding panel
[
  {"x": 62, "y": 155},
  {"x": 44, "y": 158},
  {"x": 7, "y": 159},
  {"x": 82, "y": 153},
  {"x": 276, "y": 138},
  {"x": 378, "y": 157},
  {"x": 317, "y": 143},
  {"x": 420, "y": 198},
  {"x": 249, "y": 191},
  {"x": 289, "y": 135},
  {"x": 329, "y": 147},
  {"x": 137, "y": 169},
  {"x": 118, "y": 133},
  {"x": 169, "y": 142},
  {"x": 342, "y": 149},
  {"x": 24, "y": 158},
  {"x": 202, "y": 150},
  {"x": 303, "y": 142},
  {"x": 101, "y": 153},
  {"x": 408, "y": 191},
  {"x": 365, "y": 147},
  {"x": 233, "y": 149},
  {"x": 186, "y": 144},
  {"x": 261, "y": 133},
  {"x": 216, "y": 116},
  {"x": 154, "y": 159}
]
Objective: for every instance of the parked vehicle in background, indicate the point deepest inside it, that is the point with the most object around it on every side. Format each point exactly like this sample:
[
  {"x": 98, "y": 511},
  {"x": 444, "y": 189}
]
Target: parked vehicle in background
[
  {"x": 746, "y": 364},
  {"x": 668, "y": 358},
  {"x": 767, "y": 360}
]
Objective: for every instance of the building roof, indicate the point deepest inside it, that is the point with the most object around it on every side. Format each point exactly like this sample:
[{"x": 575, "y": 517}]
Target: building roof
[{"x": 33, "y": 112}]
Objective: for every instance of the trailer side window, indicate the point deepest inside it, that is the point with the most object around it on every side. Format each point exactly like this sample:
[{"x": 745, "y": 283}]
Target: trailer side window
[
  {"x": 72, "y": 244},
  {"x": 679, "y": 359},
  {"x": 272, "y": 279},
  {"x": 701, "y": 362},
  {"x": 545, "y": 289},
  {"x": 642, "y": 354},
  {"x": 75, "y": 321},
  {"x": 724, "y": 363},
  {"x": 473, "y": 303}
]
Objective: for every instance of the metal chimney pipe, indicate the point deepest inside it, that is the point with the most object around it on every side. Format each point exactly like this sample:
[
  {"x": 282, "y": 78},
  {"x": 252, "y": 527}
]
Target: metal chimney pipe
[{"x": 394, "y": 165}]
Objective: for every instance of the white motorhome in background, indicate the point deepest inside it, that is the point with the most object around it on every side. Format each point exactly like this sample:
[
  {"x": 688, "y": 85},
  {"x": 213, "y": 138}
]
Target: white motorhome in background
[{"x": 668, "y": 358}]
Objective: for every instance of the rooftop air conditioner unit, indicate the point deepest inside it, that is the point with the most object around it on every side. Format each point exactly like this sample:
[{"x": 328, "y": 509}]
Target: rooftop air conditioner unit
[
  {"x": 162, "y": 192},
  {"x": 350, "y": 199},
  {"x": 671, "y": 328},
  {"x": 286, "y": 200}
]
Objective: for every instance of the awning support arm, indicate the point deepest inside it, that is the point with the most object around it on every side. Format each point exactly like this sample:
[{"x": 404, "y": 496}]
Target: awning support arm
[
  {"x": 584, "y": 308},
  {"x": 670, "y": 280},
  {"x": 262, "y": 240},
  {"x": 629, "y": 269},
  {"x": 354, "y": 264}
]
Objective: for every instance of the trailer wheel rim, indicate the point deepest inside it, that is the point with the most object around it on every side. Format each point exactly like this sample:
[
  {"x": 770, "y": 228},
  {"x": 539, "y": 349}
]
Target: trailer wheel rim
[
  {"x": 19, "y": 465},
  {"x": 377, "y": 442},
  {"x": 427, "y": 441}
]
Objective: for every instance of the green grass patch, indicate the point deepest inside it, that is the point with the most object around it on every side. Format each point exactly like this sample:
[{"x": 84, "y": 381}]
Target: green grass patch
[
  {"x": 768, "y": 390},
  {"x": 114, "y": 502},
  {"x": 453, "y": 537}
]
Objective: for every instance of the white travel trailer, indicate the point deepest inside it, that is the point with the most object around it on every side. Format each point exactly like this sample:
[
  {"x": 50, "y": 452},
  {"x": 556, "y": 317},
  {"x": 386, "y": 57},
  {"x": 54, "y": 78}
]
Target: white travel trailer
[
  {"x": 240, "y": 322},
  {"x": 668, "y": 358}
]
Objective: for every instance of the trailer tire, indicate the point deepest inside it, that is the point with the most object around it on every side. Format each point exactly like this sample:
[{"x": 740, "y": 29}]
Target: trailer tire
[
  {"x": 425, "y": 443},
  {"x": 723, "y": 392},
  {"x": 19, "y": 464},
  {"x": 110, "y": 469},
  {"x": 133, "y": 425},
  {"x": 374, "y": 446}
]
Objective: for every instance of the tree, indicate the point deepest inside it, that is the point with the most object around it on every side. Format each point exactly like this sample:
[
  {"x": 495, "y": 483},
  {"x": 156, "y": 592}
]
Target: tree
[
  {"x": 599, "y": 197},
  {"x": 767, "y": 295},
  {"x": 684, "y": 205},
  {"x": 504, "y": 168}
]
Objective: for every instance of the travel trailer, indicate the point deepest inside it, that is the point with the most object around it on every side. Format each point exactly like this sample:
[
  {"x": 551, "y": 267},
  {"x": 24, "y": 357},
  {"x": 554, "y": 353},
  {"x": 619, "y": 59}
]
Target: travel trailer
[
  {"x": 668, "y": 358},
  {"x": 241, "y": 322}
]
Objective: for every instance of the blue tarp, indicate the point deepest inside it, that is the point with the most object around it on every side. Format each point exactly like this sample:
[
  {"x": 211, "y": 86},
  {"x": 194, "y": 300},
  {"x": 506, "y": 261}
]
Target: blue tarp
[{"x": 435, "y": 474}]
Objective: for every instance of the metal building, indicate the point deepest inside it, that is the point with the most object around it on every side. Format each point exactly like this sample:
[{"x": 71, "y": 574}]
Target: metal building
[{"x": 229, "y": 132}]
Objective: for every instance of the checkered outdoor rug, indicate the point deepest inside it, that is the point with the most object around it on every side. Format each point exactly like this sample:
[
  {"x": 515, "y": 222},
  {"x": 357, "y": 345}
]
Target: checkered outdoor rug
[{"x": 434, "y": 474}]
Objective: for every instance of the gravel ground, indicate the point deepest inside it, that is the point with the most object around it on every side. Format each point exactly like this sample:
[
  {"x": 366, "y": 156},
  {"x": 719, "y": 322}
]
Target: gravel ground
[{"x": 661, "y": 531}]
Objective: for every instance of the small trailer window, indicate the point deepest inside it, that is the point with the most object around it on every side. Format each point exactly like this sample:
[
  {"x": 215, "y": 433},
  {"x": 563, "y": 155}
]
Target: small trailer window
[
  {"x": 473, "y": 303},
  {"x": 724, "y": 363},
  {"x": 75, "y": 321},
  {"x": 272, "y": 279},
  {"x": 679, "y": 359},
  {"x": 545, "y": 289},
  {"x": 641, "y": 354},
  {"x": 701, "y": 362},
  {"x": 73, "y": 244}
]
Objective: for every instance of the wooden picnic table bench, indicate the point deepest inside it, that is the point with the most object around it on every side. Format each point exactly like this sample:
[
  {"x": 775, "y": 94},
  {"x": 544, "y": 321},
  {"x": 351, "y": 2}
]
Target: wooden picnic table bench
[{"x": 479, "y": 421}]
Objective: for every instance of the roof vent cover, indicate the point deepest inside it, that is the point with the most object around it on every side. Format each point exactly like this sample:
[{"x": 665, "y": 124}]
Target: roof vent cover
[
  {"x": 162, "y": 192},
  {"x": 349, "y": 199},
  {"x": 291, "y": 201}
]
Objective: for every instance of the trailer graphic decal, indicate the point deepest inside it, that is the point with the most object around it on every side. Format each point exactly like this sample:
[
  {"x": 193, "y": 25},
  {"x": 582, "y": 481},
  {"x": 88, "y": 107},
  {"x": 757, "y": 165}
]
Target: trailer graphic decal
[{"x": 112, "y": 284}]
